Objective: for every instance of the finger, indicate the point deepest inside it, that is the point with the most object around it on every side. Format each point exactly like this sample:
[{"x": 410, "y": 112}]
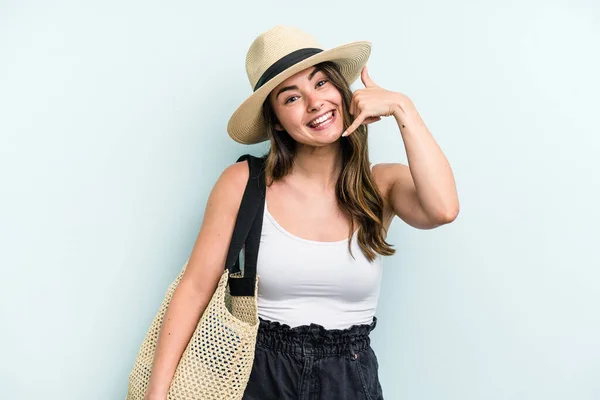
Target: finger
[
  {"x": 361, "y": 117},
  {"x": 366, "y": 79},
  {"x": 370, "y": 120},
  {"x": 354, "y": 106}
]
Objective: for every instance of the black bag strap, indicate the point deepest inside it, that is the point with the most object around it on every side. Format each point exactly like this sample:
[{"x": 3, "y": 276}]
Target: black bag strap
[{"x": 248, "y": 228}]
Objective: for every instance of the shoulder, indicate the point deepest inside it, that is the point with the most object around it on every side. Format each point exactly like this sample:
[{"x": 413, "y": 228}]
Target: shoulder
[
  {"x": 389, "y": 177},
  {"x": 231, "y": 184},
  {"x": 235, "y": 175},
  {"x": 386, "y": 174}
]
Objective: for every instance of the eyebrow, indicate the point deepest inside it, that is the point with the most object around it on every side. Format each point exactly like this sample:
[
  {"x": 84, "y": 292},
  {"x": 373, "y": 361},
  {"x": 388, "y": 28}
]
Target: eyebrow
[{"x": 294, "y": 87}]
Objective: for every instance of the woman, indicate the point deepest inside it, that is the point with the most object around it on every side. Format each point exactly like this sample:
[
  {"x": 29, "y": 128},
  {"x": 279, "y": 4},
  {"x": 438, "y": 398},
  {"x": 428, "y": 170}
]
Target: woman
[{"x": 325, "y": 220}]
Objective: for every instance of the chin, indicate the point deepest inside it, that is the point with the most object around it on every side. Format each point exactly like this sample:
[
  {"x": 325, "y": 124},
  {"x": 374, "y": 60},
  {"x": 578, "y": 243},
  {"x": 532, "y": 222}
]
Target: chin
[
  {"x": 331, "y": 135},
  {"x": 325, "y": 139}
]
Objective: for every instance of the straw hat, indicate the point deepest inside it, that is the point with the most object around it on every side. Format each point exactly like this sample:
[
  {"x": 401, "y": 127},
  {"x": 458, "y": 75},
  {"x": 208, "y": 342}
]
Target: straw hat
[{"x": 276, "y": 55}]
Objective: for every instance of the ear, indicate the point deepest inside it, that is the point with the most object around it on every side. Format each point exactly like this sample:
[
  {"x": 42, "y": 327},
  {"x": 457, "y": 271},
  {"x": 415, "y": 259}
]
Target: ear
[{"x": 278, "y": 127}]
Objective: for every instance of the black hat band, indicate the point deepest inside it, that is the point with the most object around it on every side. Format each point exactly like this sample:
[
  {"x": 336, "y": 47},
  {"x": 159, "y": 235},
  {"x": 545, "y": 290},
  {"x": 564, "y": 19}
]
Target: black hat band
[{"x": 284, "y": 63}]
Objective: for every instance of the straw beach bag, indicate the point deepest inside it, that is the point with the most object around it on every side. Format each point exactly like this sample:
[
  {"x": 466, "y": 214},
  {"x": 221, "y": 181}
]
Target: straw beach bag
[{"x": 218, "y": 359}]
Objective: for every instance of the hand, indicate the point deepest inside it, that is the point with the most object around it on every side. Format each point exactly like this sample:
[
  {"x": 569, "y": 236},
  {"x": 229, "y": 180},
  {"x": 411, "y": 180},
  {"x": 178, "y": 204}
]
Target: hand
[
  {"x": 154, "y": 396},
  {"x": 371, "y": 103}
]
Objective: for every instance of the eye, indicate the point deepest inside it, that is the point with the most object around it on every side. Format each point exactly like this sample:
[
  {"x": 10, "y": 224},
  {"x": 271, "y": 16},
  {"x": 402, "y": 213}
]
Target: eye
[
  {"x": 321, "y": 83},
  {"x": 289, "y": 100}
]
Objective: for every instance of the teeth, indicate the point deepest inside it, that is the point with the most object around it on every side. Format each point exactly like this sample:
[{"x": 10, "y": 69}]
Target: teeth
[{"x": 321, "y": 119}]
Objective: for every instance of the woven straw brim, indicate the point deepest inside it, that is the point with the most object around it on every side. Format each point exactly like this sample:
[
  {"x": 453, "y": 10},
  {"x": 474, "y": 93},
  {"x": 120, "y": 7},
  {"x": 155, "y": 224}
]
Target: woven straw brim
[{"x": 247, "y": 125}]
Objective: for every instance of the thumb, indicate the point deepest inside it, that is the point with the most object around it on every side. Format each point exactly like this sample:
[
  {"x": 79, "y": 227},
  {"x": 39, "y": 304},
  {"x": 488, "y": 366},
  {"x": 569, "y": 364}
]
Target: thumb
[{"x": 366, "y": 79}]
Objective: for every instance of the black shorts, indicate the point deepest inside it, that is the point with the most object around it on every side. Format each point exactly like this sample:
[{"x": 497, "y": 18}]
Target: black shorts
[{"x": 311, "y": 363}]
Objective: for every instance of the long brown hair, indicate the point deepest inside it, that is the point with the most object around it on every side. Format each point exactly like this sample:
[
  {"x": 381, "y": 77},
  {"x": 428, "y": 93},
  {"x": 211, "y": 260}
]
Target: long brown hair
[{"x": 356, "y": 191}]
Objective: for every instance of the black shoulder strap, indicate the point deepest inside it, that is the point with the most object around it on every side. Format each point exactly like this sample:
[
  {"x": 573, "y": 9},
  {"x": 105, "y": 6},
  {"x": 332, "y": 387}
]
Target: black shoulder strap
[{"x": 248, "y": 227}]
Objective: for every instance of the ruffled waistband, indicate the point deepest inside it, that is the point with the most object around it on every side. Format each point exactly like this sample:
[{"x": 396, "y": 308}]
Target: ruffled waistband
[{"x": 314, "y": 338}]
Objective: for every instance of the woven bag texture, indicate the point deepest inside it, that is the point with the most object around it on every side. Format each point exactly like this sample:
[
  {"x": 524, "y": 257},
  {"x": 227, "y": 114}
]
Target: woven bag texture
[{"x": 218, "y": 359}]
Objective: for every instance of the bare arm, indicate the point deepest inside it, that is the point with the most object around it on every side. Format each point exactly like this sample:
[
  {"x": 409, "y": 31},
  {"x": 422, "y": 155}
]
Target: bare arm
[
  {"x": 400, "y": 196},
  {"x": 423, "y": 193},
  {"x": 428, "y": 176},
  {"x": 205, "y": 267}
]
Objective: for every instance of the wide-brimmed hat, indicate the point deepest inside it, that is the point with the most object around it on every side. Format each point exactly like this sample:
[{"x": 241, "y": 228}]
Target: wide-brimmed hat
[{"x": 276, "y": 55}]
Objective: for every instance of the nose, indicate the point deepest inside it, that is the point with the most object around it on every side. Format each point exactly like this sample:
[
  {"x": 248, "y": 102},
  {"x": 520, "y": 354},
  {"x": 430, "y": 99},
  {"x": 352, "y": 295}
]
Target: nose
[{"x": 314, "y": 102}]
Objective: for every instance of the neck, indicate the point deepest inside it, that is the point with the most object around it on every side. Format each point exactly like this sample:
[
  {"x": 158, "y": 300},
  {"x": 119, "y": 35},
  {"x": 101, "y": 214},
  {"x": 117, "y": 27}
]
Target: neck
[{"x": 318, "y": 167}]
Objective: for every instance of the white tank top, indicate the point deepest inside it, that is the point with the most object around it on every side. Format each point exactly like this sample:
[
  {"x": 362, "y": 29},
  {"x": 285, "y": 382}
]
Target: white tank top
[{"x": 305, "y": 281}]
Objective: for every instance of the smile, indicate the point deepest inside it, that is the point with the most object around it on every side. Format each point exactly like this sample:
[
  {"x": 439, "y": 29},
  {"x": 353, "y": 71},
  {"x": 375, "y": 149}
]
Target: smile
[{"x": 323, "y": 121}]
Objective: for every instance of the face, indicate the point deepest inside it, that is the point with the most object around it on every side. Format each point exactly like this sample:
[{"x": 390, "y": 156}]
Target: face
[{"x": 308, "y": 107}]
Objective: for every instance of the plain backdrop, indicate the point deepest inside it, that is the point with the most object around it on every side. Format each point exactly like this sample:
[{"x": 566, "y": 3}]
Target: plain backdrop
[{"x": 112, "y": 133}]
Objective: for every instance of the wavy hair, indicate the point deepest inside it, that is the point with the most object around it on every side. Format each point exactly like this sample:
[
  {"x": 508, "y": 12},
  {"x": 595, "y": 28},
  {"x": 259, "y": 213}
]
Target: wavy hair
[{"x": 356, "y": 191}]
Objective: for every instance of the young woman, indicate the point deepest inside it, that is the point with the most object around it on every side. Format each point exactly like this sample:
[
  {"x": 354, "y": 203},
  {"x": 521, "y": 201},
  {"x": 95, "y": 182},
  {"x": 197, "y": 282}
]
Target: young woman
[{"x": 326, "y": 215}]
